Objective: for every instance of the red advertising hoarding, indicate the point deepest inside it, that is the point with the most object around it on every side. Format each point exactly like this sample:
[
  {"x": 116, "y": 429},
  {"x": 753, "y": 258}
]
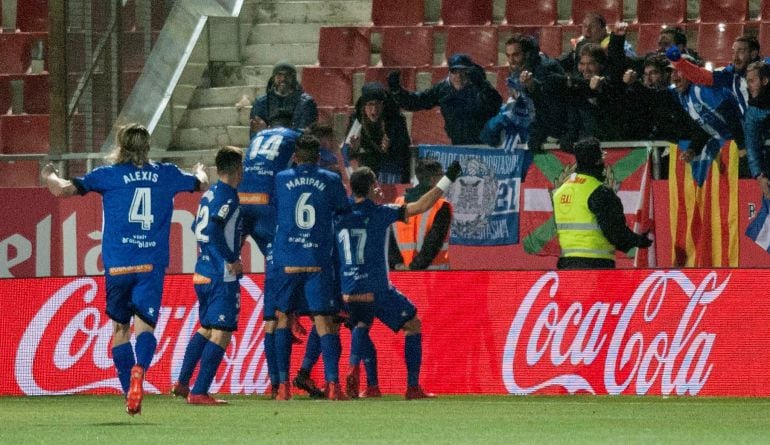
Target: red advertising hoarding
[{"x": 655, "y": 332}]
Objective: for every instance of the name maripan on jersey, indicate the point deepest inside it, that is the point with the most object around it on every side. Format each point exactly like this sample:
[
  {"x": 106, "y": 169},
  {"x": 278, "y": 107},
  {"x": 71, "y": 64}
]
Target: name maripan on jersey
[
  {"x": 305, "y": 181},
  {"x": 140, "y": 176}
]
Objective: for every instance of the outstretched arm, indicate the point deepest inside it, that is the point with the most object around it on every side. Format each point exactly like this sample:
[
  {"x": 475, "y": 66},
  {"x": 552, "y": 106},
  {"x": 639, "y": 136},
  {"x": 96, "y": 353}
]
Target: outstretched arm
[
  {"x": 427, "y": 200},
  {"x": 57, "y": 186}
]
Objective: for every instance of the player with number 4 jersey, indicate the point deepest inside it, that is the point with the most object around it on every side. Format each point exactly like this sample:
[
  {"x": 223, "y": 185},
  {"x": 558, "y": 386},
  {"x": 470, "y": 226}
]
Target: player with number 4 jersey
[{"x": 138, "y": 201}]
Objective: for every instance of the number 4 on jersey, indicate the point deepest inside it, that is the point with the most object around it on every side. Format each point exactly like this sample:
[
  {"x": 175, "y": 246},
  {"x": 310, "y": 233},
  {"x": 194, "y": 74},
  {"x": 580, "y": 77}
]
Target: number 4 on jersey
[{"x": 141, "y": 208}]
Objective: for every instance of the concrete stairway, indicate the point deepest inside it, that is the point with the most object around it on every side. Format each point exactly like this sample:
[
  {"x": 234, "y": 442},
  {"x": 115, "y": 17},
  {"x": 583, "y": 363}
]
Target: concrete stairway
[{"x": 268, "y": 32}]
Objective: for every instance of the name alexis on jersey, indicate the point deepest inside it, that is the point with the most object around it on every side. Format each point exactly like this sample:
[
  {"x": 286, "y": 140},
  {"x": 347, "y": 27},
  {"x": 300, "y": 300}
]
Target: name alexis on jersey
[{"x": 140, "y": 176}]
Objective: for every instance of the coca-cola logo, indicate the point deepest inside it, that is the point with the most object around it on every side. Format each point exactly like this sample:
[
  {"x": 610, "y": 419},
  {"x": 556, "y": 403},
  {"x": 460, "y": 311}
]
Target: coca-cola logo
[
  {"x": 66, "y": 347},
  {"x": 619, "y": 346}
]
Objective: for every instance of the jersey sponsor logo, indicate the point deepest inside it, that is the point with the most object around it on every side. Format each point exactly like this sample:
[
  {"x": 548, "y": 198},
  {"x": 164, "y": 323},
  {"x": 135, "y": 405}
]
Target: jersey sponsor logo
[{"x": 124, "y": 270}]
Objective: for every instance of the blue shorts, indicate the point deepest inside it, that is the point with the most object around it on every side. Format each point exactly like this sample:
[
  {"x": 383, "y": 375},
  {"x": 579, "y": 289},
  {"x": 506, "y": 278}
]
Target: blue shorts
[
  {"x": 320, "y": 297},
  {"x": 391, "y": 307},
  {"x": 139, "y": 294},
  {"x": 219, "y": 303},
  {"x": 259, "y": 223}
]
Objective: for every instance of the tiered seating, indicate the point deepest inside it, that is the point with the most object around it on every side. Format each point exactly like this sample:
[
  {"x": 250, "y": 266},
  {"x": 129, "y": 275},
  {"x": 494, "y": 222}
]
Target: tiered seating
[
  {"x": 397, "y": 12},
  {"x": 466, "y": 12},
  {"x": 32, "y": 15},
  {"x": 406, "y": 45},
  {"x": 612, "y": 10},
  {"x": 527, "y": 12},
  {"x": 723, "y": 11},
  {"x": 16, "y": 50},
  {"x": 25, "y": 133},
  {"x": 647, "y": 36},
  {"x": 344, "y": 46},
  {"x": 329, "y": 86},
  {"x": 661, "y": 11},
  {"x": 479, "y": 42},
  {"x": 715, "y": 41},
  {"x": 380, "y": 74}
]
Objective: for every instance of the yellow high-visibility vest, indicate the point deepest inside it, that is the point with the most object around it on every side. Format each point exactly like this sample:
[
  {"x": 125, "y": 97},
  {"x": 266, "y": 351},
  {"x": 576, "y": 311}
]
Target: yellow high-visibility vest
[{"x": 576, "y": 226}]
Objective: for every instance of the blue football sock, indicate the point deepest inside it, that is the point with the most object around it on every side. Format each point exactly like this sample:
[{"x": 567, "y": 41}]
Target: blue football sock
[
  {"x": 145, "y": 349},
  {"x": 330, "y": 348},
  {"x": 370, "y": 361},
  {"x": 312, "y": 350},
  {"x": 123, "y": 357},
  {"x": 210, "y": 360},
  {"x": 192, "y": 356},
  {"x": 358, "y": 345},
  {"x": 413, "y": 355},
  {"x": 283, "y": 353},
  {"x": 272, "y": 364}
]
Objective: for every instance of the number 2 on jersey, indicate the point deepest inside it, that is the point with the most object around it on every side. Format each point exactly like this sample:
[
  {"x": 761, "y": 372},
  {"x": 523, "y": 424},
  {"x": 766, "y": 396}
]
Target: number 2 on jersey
[
  {"x": 347, "y": 238},
  {"x": 141, "y": 208}
]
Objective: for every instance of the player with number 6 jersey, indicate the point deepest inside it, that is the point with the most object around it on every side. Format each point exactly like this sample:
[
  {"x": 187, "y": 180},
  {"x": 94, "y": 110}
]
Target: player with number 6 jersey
[{"x": 307, "y": 198}]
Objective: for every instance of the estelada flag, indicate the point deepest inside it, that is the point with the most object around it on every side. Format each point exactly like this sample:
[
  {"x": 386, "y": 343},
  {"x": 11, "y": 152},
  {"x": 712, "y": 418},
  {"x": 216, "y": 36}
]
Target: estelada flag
[{"x": 703, "y": 207}]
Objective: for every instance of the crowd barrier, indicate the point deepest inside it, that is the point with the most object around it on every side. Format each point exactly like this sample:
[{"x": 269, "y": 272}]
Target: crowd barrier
[{"x": 644, "y": 332}]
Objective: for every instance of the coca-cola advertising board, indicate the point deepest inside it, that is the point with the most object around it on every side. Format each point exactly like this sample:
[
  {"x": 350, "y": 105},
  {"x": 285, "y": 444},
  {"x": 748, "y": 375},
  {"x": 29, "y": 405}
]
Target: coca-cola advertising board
[{"x": 654, "y": 332}]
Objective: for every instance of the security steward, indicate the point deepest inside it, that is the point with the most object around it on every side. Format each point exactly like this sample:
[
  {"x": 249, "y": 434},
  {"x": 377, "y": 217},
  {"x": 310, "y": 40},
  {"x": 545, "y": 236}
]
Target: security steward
[
  {"x": 589, "y": 215},
  {"x": 422, "y": 243}
]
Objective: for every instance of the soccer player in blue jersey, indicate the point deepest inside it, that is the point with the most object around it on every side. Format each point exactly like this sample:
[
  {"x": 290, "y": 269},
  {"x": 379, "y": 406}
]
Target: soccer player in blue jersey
[
  {"x": 217, "y": 228},
  {"x": 307, "y": 198},
  {"x": 361, "y": 243},
  {"x": 138, "y": 200},
  {"x": 269, "y": 152}
]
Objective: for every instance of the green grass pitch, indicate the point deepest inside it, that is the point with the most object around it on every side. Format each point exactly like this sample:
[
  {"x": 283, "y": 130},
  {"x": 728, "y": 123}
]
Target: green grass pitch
[{"x": 390, "y": 420}]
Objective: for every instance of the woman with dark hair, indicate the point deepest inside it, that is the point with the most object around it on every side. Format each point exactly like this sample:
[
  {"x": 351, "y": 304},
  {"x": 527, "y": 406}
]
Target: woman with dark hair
[{"x": 381, "y": 141}]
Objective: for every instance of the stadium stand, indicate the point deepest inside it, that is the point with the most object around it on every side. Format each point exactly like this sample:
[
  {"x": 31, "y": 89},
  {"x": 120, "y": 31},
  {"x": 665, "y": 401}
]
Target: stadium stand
[
  {"x": 397, "y": 12},
  {"x": 428, "y": 128},
  {"x": 526, "y": 12},
  {"x": 344, "y": 46},
  {"x": 479, "y": 42},
  {"x": 329, "y": 86},
  {"x": 396, "y": 40},
  {"x": 380, "y": 74},
  {"x": 16, "y": 50},
  {"x": 466, "y": 12},
  {"x": 646, "y": 37},
  {"x": 715, "y": 40},
  {"x": 549, "y": 37},
  {"x": 24, "y": 133},
  {"x": 723, "y": 11},
  {"x": 661, "y": 11},
  {"x": 32, "y": 15},
  {"x": 612, "y": 10}
]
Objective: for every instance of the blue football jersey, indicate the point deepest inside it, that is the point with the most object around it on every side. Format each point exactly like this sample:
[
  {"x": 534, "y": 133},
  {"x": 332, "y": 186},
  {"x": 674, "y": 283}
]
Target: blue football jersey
[
  {"x": 362, "y": 243},
  {"x": 138, "y": 205},
  {"x": 217, "y": 229},
  {"x": 307, "y": 198},
  {"x": 269, "y": 152}
]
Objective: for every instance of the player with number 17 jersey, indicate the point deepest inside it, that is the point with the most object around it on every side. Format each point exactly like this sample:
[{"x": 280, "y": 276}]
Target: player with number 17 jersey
[
  {"x": 138, "y": 206},
  {"x": 361, "y": 235}
]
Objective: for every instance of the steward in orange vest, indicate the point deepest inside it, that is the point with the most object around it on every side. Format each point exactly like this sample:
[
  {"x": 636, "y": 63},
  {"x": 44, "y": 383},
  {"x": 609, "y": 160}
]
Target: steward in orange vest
[{"x": 422, "y": 242}]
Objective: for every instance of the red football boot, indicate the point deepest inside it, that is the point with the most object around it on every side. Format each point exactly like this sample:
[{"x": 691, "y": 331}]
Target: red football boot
[
  {"x": 284, "y": 392},
  {"x": 371, "y": 392},
  {"x": 335, "y": 392},
  {"x": 204, "y": 399},
  {"x": 180, "y": 390},
  {"x": 352, "y": 383},
  {"x": 416, "y": 392},
  {"x": 135, "y": 391}
]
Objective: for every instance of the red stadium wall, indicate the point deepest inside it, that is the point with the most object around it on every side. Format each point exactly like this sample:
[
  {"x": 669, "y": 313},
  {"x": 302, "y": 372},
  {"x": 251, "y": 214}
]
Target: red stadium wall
[{"x": 677, "y": 332}]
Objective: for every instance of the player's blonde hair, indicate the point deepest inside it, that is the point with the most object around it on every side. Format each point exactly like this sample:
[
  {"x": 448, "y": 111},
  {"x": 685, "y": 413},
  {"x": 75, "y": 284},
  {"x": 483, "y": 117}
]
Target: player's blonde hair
[{"x": 133, "y": 142}]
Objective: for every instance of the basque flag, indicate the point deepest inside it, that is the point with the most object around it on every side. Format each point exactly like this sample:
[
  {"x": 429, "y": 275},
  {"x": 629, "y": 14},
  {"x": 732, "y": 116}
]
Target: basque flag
[{"x": 759, "y": 229}]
